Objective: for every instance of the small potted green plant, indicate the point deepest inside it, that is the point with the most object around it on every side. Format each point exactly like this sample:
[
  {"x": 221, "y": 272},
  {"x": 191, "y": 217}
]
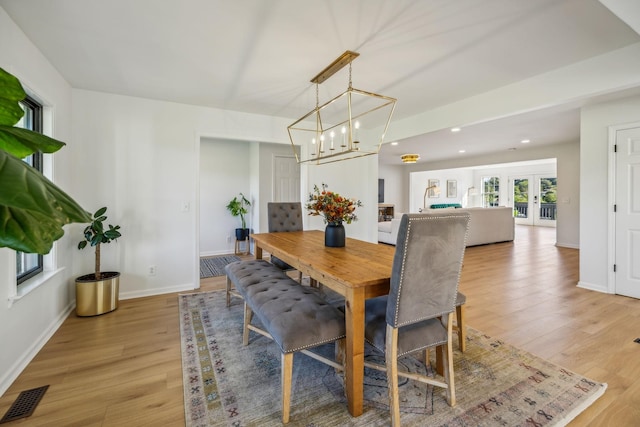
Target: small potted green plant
[
  {"x": 238, "y": 206},
  {"x": 97, "y": 292}
]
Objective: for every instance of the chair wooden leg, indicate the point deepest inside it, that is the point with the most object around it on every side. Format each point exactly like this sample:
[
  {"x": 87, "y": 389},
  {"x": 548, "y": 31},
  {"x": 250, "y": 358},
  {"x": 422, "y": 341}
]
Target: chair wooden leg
[
  {"x": 285, "y": 381},
  {"x": 461, "y": 328},
  {"x": 341, "y": 351},
  {"x": 228, "y": 291},
  {"x": 448, "y": 363},
  {"x": 391, "y": 358},
  {"x": 248, "y": 315}
]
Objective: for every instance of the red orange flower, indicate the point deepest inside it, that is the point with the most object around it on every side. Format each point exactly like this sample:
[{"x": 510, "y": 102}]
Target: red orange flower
[{"x": 332, "y": 206}]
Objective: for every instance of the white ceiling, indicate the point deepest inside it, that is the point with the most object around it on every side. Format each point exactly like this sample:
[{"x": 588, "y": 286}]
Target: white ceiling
[{"x": 257, "y": 56}]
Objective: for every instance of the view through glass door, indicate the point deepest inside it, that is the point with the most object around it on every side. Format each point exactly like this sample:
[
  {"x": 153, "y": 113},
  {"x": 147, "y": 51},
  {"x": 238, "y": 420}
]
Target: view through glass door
[{"x": 534, "y": 200}]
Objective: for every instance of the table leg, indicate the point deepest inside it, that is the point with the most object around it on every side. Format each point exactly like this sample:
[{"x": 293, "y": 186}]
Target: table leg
[
  {"x": 354, "y": 372},
  {"x": 258, "y": 252}
]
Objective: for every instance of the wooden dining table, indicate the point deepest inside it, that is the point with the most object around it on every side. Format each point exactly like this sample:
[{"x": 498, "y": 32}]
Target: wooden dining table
[{"x": 357, "y": 271}]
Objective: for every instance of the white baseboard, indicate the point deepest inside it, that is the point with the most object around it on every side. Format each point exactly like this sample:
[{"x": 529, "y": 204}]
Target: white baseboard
[
  {"x": 215, "y": 253},
  {"x": 593, "y": 287},
  {"x": 156, "y": 291},
  {"x": 16, "y": 369},
  {"x": 568, "y": 245}
]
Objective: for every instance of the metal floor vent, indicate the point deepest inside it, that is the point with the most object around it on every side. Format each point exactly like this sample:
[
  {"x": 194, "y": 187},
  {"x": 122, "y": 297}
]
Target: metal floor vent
[{"x": 25, "y": 404}]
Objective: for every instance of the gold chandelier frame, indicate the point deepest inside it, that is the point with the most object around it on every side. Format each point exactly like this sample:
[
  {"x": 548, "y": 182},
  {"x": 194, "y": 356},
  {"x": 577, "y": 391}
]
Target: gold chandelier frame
[{"x": 333, "y": 131}]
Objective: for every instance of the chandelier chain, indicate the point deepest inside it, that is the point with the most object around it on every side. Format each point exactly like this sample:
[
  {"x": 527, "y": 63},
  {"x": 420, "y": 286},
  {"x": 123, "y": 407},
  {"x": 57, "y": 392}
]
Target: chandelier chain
[{"x": 349, "y": 75}]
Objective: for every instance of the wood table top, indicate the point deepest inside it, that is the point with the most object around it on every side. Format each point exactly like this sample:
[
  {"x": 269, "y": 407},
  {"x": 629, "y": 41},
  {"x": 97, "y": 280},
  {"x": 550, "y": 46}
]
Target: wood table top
[{"x": 357, "y": 264}]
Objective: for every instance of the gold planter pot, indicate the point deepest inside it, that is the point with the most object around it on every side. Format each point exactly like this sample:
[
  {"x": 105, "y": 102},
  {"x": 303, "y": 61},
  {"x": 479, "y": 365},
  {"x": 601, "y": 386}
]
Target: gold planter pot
[{"x": 94, "y": 297}]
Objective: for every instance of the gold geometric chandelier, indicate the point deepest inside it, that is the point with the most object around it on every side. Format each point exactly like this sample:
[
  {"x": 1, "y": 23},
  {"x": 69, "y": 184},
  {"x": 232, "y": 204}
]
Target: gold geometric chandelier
[{"x": 353, "y": 124}]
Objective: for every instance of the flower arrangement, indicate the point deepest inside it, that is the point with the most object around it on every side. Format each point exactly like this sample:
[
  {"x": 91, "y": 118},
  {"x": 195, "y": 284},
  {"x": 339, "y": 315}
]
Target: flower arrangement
[{"x": 332, "y": 206}]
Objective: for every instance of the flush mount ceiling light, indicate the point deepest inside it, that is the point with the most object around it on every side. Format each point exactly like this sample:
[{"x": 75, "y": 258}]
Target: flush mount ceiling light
[
  {"x": 352, "y": 124},
  {"x": 410, "y": 158}
]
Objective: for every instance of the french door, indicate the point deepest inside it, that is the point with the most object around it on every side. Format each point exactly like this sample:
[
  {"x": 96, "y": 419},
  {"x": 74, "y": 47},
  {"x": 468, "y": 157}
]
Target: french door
[{"x": 534, "y": 199}]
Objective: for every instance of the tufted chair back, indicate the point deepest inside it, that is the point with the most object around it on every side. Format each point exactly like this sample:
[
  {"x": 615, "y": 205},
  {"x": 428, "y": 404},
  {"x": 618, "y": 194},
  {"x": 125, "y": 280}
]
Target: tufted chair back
[
  {"x": 284, "y": 216},
  {"x": 426, "y": 266},
  {"x": 418, "y": 312}
]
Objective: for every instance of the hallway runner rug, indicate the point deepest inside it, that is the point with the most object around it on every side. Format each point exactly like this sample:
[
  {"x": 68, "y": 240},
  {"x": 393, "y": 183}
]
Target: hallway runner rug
[
  {"x": 228, "y": 384},
  {"x": 214, "y": 266}
]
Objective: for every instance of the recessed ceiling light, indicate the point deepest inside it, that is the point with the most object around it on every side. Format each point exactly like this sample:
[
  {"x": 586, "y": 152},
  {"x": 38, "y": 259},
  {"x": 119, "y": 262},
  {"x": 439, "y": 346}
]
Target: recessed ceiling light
[
  {"x": 525, "y": 141},
  {"x": 394, "y": 143},
  {"x": 462, "y": 151},
  {"x": 455, "y": 129}
]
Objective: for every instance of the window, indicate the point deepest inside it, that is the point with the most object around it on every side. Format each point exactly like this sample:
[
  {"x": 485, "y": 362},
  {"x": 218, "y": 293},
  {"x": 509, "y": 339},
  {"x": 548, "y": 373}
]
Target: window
[
  {"x": 490, "y": 191},
  {"x": 28, "y": 265}
]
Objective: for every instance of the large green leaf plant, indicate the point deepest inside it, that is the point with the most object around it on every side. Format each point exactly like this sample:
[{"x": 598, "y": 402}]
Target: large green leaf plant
[{"x": 33, "y": 210}]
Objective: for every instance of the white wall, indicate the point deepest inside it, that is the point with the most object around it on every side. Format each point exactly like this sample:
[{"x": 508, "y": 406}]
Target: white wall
[
  {"x": 396, "y": 183},
  {"x": 27, "y": 323},
  {"x": 224, "y": 173},
  {"x": 569, "y": 215},
  {"x": 355, "y": 178},
  {"x": 149, "y": 172},
  {"x": 594, "y": 179}
]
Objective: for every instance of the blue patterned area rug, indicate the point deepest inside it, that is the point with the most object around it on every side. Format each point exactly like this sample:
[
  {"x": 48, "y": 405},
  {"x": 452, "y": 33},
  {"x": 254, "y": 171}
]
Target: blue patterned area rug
[
  {"x": 214, "y": 266},
  {"x": 227, "y": 384}
]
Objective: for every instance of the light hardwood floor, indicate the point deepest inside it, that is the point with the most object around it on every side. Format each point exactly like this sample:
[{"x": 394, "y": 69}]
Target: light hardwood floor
[{"x": 124, "y": 368}]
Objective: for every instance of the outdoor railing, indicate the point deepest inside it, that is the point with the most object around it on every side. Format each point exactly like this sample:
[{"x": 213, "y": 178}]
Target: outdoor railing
[
  {"x": 547, "y": 210},
  {"x": 521, "y": 209}
]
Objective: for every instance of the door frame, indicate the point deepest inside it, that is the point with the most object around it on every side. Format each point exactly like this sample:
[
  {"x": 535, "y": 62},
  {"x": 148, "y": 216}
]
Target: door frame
[{"x": 611, "y": 220}]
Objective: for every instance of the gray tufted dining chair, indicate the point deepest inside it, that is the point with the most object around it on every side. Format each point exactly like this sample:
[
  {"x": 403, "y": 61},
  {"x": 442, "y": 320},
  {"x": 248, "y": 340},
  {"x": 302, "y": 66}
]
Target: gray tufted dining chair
[
  {"x": 418, "y": 312},
  {"x": 283, "y": 217}
]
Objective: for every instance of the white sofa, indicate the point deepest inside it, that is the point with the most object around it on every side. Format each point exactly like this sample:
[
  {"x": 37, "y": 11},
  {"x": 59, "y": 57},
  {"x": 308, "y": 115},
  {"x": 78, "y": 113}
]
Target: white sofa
[
  {"x": 486, "y": 225},
  {"x": 388, "y": 230}
]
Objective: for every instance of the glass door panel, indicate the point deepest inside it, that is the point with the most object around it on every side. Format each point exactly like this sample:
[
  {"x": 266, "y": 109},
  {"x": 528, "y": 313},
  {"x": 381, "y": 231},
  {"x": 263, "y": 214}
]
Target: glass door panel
[
  {"x": 546, "y": 199},
  {"x": 521, "y": 201}
]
